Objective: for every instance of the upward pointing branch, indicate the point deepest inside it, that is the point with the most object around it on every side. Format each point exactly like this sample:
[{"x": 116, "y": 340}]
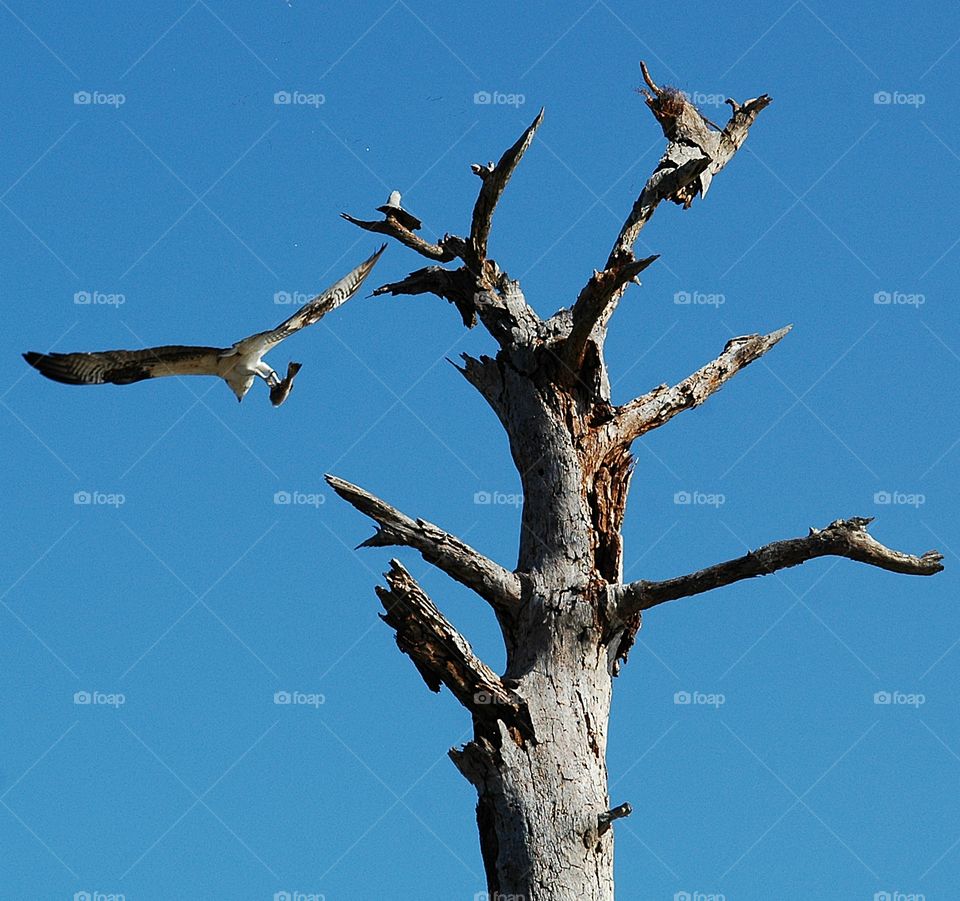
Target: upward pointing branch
[
  {"x": 592, "y": 303},
  {"x": 496, "y": 585},
  {"x": 495, "y": 179},
  {"x": 659, "y": 406},
  {"x": 695, "y": 153}
]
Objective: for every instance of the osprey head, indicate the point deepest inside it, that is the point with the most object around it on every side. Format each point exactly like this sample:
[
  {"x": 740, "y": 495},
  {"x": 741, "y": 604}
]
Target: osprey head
[{"x": 239, "y": 383}]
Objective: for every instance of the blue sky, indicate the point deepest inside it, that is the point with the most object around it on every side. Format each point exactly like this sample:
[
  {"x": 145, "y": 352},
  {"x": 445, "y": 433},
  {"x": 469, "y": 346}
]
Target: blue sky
[{"x": 182, "y": 200}]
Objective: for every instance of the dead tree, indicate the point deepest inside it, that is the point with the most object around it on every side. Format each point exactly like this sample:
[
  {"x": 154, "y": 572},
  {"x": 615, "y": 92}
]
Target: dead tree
[{"x": 538, "y": 754}]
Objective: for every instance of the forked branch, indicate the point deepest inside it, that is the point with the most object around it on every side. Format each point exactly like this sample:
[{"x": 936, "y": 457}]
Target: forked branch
[
  {"x": 442, "y": 655},
  {"x": 660, "y": 405},
  {"x": 498, "y": 586},
  {"x": 696, "y": 152},
  {"x": 842, "y": 538},
  {"x": 479, "y": 288},
  {"x": 593, "y": 302}
]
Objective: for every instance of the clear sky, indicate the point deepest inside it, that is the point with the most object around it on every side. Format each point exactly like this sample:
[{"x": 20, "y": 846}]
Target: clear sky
[{"x": 182, "y": 202}]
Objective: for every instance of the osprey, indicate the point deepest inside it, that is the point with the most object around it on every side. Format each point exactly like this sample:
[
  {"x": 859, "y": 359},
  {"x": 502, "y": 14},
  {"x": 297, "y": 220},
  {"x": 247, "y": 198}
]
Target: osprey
[{"x": 237, "y": 365}]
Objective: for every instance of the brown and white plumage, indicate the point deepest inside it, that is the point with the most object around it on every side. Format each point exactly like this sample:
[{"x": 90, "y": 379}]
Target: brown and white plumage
[{"x": 237, "y": 365}]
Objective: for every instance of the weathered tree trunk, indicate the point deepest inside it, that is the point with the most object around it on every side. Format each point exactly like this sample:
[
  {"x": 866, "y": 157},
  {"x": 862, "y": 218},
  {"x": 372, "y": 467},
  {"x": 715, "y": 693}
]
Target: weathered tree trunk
[
  {"x": 541, "y": 800},
  {"x": 538, "y": 756}
]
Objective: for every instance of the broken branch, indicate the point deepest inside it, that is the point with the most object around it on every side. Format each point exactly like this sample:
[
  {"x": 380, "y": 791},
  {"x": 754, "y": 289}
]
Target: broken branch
[
  {"x": 660, "y": 405},
  {"x": 842, "y": 538},
  {"x": 496, "y": 585},
  {"x": 606, "y": 819},
  {"x": 593, "y": 304},
  {"x": 442, "y": 655},
  {"x": 495, "y": 179},
  {"x": 695, "y": 153},
  {"x": 389, "y": 225},
  {"x": 456, "y": 286}
]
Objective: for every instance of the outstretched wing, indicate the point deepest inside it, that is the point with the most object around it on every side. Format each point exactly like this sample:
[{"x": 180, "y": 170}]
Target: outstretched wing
[
  {"x": 313, "y": 311},
  {"x": 122, "y": 367}
]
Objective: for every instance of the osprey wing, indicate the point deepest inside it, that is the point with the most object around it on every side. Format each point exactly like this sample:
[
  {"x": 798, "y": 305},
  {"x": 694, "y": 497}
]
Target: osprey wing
[
  {"x": 313, "y": 311},
  {"x": 122, "y": 367}
]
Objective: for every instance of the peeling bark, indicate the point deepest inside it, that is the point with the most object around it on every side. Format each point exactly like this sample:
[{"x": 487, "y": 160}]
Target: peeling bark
[{"x": 538, "y": 755}]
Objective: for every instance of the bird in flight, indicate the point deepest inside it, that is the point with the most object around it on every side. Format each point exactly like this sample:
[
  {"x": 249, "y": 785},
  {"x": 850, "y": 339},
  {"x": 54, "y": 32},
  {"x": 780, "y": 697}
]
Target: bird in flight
[{"x": 238, "y": 365}]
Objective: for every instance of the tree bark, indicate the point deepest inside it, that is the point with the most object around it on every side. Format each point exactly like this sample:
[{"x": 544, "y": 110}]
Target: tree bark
[{"x": 538, "y": 755}]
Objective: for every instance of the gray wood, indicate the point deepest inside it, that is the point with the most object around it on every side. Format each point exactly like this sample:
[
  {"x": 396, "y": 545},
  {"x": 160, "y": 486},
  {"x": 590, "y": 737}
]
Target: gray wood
[{"x": 538, "y": 755}]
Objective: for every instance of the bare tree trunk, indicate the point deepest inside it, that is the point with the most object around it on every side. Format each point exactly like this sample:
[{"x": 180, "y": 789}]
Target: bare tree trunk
[{"x": 538, "y": 756}]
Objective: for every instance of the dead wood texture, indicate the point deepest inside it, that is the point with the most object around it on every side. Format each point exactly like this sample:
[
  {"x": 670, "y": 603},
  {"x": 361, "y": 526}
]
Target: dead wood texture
[{"x": 538, "y": 754}]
